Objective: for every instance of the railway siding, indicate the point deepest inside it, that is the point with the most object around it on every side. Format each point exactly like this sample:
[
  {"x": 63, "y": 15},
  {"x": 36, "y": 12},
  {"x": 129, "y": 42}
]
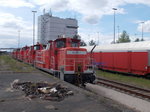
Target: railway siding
[
  {"x": 81, "y": 101},
  {"x": 132, "y": 90},
  {"x": 127, "y": 79},
  {"x": 128, "y": 100}
]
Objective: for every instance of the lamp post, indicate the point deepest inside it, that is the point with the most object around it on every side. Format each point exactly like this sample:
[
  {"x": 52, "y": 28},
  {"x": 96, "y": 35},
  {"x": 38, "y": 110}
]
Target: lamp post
[
  {"x": 98, "y": 38},
  {"x": 142, "y": 29},
  {"x": 135, "y": 35},
  {"x": 118, "y": 30},
  {"x": 34, "y": 25},
  {"x": 114, "y": 24},
  {"x": 18, "y": 38}
]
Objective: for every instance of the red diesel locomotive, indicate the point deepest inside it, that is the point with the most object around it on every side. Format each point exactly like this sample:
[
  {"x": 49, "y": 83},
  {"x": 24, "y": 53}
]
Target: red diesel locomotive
[
  {"x": 32, "y": 52},
  {"x": 64, "y": 59},
  {"x": 27, "y": 54},
  {"x": 133, "y": 58},
  {"x": 15, "y": 53}
]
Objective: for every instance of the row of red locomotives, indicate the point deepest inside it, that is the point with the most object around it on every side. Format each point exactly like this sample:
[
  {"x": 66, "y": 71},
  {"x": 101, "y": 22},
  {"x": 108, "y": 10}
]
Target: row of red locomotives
[
  {"x": 27, "y": 53},
  {"x": 133, "y": 58},
  {"x": 62, "y": 57}
]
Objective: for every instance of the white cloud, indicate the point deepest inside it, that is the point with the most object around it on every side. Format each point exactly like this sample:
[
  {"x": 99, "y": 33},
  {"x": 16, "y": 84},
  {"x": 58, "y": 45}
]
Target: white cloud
[
  {"x": 92, "y": 10},
  {"x": 13, "y": 22},
  {"x": 9, "y": 26},
  {"x": 97, "y": 37},
  {"x": 15, "y": 3},
  {"x": 5, "y": 42},
  {"x": 145, "y": 2},
  {"x": 93, "y": 19}
]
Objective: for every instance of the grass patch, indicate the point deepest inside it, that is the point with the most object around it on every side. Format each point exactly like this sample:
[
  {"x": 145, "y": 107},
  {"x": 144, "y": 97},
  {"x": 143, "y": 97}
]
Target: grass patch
[
  {"x": 7, "y": 63},
  {"x": 137, "y": 81}
]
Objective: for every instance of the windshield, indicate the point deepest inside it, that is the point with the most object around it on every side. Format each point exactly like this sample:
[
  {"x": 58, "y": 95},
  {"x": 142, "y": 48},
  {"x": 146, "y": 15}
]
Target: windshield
[
  {"x": 74, "y": 44},
  {"x": 37, "y": 47},
  {"x": 60, "y": 44},
  {"x": 48, "y": 46}
]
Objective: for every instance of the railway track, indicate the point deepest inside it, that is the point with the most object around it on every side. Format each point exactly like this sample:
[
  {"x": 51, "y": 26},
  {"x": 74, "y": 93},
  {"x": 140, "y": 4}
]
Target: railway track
[{"x": 132, "y": 90}]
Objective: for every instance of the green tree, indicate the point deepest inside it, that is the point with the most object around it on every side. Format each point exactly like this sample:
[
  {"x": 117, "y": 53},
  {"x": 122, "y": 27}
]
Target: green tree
[
  {"x": 82, "y": 43},
  {"x": 137, "y": 40},
  {"x": 124, "y": 37},
  {"x": 142, "y": 39},
  {"x": 92, "y": 43}
]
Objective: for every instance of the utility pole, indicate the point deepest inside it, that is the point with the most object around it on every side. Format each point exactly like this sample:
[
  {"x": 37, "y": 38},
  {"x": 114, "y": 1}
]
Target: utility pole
[
  {"x": 135, "y": 35},
  {"x": 34, "y": 26},
  {"x": 98, "y": 38},
  {"x": 114, "y": 24},
  {"x": 142, "y": 29},
  {"x": 18, "y": 38},
  {"x": 118, "y": 31}
]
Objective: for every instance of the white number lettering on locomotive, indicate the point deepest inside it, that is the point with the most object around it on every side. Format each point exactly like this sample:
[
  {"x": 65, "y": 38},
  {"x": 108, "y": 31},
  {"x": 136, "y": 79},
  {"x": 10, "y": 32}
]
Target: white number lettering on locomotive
[{"x": 76, "y": 52}]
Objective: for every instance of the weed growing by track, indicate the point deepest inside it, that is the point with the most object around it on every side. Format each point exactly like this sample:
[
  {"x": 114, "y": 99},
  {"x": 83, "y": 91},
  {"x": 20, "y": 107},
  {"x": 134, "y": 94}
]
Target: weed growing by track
[
  {"x": 137, "y": 81},
  {"x": 7, "y": 63}
]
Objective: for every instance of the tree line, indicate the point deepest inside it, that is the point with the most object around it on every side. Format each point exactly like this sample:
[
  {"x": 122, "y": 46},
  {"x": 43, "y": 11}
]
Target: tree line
[{"x": 123, "y": 38}]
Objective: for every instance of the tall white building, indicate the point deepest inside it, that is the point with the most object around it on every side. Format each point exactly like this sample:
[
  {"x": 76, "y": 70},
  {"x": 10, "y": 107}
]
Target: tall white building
[{"x": 50, "y": 28}]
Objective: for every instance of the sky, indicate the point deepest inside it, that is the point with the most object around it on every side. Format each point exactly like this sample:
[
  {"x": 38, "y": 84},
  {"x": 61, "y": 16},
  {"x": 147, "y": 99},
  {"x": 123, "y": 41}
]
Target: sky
[{"x": 95, "y": 19}]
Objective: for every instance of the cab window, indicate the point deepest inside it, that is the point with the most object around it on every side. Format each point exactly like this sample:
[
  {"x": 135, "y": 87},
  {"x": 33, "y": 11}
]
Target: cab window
[
  {"x": 74, "y": 44},
  {"x": 37, "y": 47},
  {"x": 60, "y": 44},
  {"x": 47, "y": 46},
  {"x": 30, "y": 48}
]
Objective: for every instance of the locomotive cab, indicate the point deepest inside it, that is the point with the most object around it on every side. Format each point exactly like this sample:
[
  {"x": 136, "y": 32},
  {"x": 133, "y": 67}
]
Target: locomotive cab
[
  {"x": 66, "y": 42},
  {"x": 22, "y": 53},
  {"x": 74, "y": 64},
  {"x": 32, "y": 52}
]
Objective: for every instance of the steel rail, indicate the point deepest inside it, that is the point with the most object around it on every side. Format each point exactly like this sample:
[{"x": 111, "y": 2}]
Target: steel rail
[{"x": 145, "y": 93}]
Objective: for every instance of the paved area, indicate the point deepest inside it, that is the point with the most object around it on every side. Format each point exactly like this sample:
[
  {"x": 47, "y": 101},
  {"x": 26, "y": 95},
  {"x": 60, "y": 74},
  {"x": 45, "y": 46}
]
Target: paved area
[
  {"x": 82, "y": 101},
  {"x": 128, "y": 100}
]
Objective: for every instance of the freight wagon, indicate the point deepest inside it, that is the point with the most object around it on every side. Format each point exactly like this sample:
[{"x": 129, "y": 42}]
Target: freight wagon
[{"x": 131, "y": 58}]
